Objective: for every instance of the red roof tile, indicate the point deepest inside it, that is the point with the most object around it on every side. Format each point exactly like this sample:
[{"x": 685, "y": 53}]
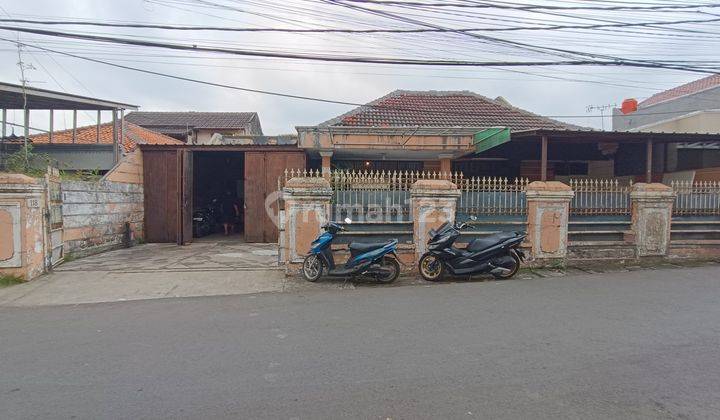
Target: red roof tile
[
  {"x": 133, "y": 136},
  {"x": 443, "y": 109},
  {"x": 686, "y": 89}
]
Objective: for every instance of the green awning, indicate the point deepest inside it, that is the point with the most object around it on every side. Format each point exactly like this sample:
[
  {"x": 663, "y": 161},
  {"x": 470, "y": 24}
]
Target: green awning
[{"x": 489, "y": 138}]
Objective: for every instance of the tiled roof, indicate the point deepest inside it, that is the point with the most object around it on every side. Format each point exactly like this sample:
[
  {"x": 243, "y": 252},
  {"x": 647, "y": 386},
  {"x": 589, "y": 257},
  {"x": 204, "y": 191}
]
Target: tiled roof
[
  {"x": 443, "y": 109},
  {"x": 133, "y": 136},
  {"x": 682, "y": 90},
  {"x": 192, "y": 119}
]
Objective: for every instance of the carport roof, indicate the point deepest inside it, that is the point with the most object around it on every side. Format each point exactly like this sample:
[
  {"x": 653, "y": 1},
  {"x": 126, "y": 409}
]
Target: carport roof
[
  {"x": 592, "y": 136},
  {"x": 11, "y": 97}
]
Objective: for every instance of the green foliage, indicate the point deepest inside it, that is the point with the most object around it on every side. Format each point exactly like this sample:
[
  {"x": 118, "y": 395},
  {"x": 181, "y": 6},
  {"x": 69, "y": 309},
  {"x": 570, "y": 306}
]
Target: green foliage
[
  {"x": 81, "y": 175},
  {"x": 27, "y": 162},
  {"x": 6, "y": 281}
]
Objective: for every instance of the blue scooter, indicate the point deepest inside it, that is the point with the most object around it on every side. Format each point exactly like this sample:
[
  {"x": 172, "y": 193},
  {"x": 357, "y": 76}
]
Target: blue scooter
[{"x": 376, "y": 260}]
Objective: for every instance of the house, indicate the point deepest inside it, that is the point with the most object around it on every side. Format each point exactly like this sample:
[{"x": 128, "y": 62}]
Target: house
[
  {"x": 91, "y": 147},
  {"x": 199, "y": 127},
  {"x": 690, "y": 108},
  {"x": 462, "y": 131},
  {"x": 419, "y": 130}
]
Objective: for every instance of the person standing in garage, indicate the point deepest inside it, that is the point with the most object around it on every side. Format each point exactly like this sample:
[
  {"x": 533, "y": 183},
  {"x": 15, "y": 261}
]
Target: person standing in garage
[{"x": 230, "y": 212}]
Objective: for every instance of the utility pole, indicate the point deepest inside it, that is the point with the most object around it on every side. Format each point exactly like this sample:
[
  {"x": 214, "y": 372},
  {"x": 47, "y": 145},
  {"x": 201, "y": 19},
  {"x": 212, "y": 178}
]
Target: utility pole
[
  {"x": 26, "y": 112},
  {"x": 602, "y": 109}
]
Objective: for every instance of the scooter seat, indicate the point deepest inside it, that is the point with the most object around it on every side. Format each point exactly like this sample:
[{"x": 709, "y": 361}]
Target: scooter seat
[
  {"x": 359, "y": 247},
  {"x": 488, "y": 241}
]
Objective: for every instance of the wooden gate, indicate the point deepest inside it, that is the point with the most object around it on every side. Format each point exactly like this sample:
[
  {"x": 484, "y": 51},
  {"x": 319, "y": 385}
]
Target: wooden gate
[
  {"x": 262, "y": 170},
  {"x": 168, "y": 195}
]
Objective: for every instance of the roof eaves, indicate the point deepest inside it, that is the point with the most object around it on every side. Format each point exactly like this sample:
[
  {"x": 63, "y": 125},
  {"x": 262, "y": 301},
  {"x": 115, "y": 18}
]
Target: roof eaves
[{"x": 673, "y": 98}]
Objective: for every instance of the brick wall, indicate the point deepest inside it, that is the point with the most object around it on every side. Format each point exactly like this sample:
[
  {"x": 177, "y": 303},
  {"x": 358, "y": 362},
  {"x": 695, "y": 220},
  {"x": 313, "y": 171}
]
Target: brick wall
[{"x": 95, "y": 213}]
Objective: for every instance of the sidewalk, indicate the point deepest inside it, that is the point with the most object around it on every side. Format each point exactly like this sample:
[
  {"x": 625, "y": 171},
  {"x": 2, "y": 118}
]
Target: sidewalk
[{"x": 214, "y": 268}]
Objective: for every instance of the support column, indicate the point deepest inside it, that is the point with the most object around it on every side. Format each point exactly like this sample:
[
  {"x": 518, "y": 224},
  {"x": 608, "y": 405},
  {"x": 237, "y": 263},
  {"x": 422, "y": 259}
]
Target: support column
[
  {"x": 445, "y": 165},
  {"x": 74, "y": 129},
  {"x": 115, "y": 135},
  {"x": 4, "y": 123},
  {"x": 652, "y": 206},
  {"x": 51, "y": 126},
  {"x": 548, "y": 213},
  {"x": 326, "y": 156},
  {"x": 648, "y": 160},
  {"x": 97, "y": 128},
  {"x": 433, "y": 202},
  {"x": 22, "y": 236},
  {"x": 543, "y": 158},
  {"x": 307, "y": 208}
]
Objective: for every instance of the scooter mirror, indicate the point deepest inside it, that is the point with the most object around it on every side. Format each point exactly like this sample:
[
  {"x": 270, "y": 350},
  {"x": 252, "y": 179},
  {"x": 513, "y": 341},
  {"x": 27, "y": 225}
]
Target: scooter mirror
[
  {"x": 348, "y": 221},
  {"x": 473, "y": 218}
]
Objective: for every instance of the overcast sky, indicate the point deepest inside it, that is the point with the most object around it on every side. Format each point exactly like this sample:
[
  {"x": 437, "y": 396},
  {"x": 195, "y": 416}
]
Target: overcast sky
[{"x": 553, "y": 91}]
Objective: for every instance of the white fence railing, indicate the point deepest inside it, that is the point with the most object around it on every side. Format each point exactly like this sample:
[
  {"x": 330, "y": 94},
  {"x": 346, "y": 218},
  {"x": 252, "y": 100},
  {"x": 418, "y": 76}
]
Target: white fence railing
[
  {"x": 696, "y": 198},
  {"x": 481, "y": 196},
  {"x": 600, "y": 197}
]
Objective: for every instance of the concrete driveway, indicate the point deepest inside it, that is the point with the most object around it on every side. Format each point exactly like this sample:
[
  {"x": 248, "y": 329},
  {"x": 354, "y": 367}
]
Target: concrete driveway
[{"x": 213, "y": 266}]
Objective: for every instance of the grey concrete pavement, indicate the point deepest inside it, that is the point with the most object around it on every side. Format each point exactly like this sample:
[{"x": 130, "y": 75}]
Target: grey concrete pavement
[
  {"x": 641, "y": 344},
  {"x": 213, "y": 266}
]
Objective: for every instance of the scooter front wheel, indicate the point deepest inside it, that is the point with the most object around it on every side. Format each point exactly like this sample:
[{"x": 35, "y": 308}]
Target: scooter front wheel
[
  {"x": 312, "y": 268},
  {"x": 431, "y": 268}
]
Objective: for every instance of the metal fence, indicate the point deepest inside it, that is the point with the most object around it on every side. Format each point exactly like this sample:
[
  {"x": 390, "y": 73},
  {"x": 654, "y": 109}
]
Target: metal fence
[
  {"x": 375, "y": 196},
  {"x": 696, "y": 198},
  {"x": 600, "y": 197},
  {"x": 491, "y": 196}
]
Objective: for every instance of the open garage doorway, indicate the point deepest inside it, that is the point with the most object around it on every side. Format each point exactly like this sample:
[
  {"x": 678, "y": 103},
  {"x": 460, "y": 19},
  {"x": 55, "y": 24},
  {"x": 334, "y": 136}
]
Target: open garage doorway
[
  {"x": 181, "y": 180},
  {"x": 218, "y": 195}
]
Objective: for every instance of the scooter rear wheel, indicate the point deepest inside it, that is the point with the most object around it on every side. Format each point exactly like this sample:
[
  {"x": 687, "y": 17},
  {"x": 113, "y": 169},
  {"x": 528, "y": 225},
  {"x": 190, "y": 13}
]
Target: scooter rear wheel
[
  {"x": 394, "y": 266},
  {"x": 513, "y": 270},
  {"x": 312, "y": 268},
  {"x": 431, "y": 268}
]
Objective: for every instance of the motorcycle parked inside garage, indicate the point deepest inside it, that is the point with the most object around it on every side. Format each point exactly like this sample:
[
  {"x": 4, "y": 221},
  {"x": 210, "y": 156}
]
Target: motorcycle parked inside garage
[
  {"x": 375, "y": 260},
  {"x": 497, "y": 254}
]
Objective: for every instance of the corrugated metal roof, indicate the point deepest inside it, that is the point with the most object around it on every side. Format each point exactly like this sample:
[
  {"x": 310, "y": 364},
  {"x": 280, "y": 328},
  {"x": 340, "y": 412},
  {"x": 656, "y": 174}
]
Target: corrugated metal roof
[{"x": 191, "y": 119}]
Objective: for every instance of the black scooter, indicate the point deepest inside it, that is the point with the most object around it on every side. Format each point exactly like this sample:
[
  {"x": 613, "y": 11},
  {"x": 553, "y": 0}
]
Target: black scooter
[{"x": 496, "y": 254}]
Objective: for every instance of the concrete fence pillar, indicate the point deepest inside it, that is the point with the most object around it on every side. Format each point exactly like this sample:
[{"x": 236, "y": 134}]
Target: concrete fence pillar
[
  {"x": 548, "y": 213},
  {"x": 652, "y": 206},
  {"x": 326, "y": 157},
  {"x": 307, "y": 208},
  {"x": 22, "y": 226},
  {"x": 433, "y": 202}
]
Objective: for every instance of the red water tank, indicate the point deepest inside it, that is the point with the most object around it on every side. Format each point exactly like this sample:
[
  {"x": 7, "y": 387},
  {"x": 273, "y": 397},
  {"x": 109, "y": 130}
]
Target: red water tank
[{"x": 629, "y": 106}]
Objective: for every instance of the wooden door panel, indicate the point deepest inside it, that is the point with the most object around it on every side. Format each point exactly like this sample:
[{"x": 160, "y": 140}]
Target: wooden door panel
[
  {"x": 275, "y": 165},
  {"x": 187, "y": 197},
  {"x": 161, "y": 193},
  {"x": 254, "y": 196}
]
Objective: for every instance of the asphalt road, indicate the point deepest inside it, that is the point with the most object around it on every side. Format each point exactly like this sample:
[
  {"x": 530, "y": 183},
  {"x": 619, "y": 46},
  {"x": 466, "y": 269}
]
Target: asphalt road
[{"x": 643, "y": 344}]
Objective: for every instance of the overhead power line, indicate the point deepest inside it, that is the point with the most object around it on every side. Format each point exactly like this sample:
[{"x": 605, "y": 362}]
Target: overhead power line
[
  {"x": 360, "y": 59},
  {"x": 491, "y": 5},
  {"x": 299, "y": 97},
  {"x": 560, "y": 52},
  {"x": 353, "y": 31}
]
